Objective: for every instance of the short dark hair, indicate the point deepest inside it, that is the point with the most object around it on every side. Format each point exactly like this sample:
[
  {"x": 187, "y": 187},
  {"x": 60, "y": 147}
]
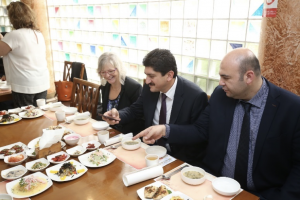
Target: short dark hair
[
  {"x": 161, "y": 60},
  {"x": 249, "y": 63}
]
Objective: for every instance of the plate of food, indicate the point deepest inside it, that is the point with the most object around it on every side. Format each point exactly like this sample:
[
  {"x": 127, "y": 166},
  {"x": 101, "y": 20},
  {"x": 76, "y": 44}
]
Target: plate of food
[
  {"x": 29, "y": 186},
  {"x": 29, "y": 107},
  {"x": 9, "y": 119},
  {"x": 33, "y": 144},
  {"x": 59, "y": 157},
  {"x": 97, "y": 158},
  {"x": 37, "y": 165},
  {"x": 177, "y": 196},
  {"x": 31, "y": 113},
  {"x": 76, "y": 151},
  {"x": 11, "y": 149},
  {"x": 66, "y": 171},
  {"x": 91, "y": 145},
  {"x": 15, "y": 159},
  {"x": 3, "y": 112},
  {"x": 14, "y": 172},
  {"x": 153, "y": 191}
]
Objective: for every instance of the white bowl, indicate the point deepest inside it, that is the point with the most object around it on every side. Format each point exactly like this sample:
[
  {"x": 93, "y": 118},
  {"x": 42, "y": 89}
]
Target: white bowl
[
  {"x": 70, "y": 110},
  {"x": 127, "y": 146},
  {"x": 81, "y": 149},
  {"x": 101, "y": 125},
  {"x": 19, "y": 167},
  {"x": 81, "y": 120},
  {"x": 5, "y": 87},
  {"x": 96, "y": 144},
  {"x": 72, "y": 139},
  {"x": 29, "y": 153},
  {"x": 14, "y": 155},
  {"x": 190, "y": 180},
  {"x": 158, "y": 150},
  {"x": 56, "y": 107},
  {"x": 42, "y": 160},
  {"x": 5, "y": 197},
  {"x": 226, "y": 186}
]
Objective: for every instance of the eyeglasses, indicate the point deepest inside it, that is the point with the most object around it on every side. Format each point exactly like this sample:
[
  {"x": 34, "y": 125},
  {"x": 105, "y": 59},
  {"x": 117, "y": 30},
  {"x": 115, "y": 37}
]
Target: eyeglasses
[{"x": 109, "y": 72}]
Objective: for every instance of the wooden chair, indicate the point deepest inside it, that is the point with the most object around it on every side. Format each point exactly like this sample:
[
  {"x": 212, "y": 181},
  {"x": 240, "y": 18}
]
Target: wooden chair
[
  {"x": 67, "y": 71},
  {"x": 85, "y": 96}
]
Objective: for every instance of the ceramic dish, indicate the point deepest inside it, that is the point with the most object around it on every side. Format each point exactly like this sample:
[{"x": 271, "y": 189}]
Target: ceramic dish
[
  {"x": 27, "y": 107},
  {"x": 129, "y": 144},
  {"x": 56, "y": 107},
  {"x": 18, "y": 167},
  {"x": 72, "y": 139},
  {"x": 49, "y": 158},
  {"x": 140, "y": 191},
  {"x": 70, "y": 110},
  {"x": 42, "y": 160},
  {"x": 32, "y": 143},
  {"x": 96, "y": 144},
  {"x": 226, "y": 186},
  {"x": 158, "y": 150},
  {"x": 85, "y": 159},
  {"x": 16, "y": 119},
  {"x": 39, "y": 114},
  {"x": 10, "y": 146},
  {"x": 80, "y": 170},
  {"x": 177, "y": 194},
  {"x": 101, "y": 125},
  {"x": 191, "y": 181},
  {"x": 6, "y": 158},
  {"x": 5, "y": 87},
  {"x": 72, "y": 151},
  {"x": 14, "y": 111},
  {"x": 11, "y": 185},
  {"x": 31, "y": 153},
  {"x": 6, "y": 197},
  {"x": 81, "y": 120}
]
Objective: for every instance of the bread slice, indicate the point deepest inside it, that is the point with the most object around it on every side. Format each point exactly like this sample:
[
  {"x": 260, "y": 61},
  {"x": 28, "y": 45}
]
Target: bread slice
[
  {"x": 150, "y": 191},
  {"x": 161, "y": 192}
]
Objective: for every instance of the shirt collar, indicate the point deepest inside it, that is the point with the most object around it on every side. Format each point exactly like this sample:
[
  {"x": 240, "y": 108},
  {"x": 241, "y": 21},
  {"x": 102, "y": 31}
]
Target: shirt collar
[{"x": 171, "y": 92}]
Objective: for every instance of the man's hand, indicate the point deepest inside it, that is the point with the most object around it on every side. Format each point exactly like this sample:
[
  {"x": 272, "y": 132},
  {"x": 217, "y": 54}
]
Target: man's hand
[
  {"x": 151, "y": 134},
  {"x": 114, "y": 114}
]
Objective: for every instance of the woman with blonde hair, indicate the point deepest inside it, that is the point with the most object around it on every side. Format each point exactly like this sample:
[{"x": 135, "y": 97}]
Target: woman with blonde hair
[
  {"x": 118, "y": 91},
  {"x": 24, "y": 56}
]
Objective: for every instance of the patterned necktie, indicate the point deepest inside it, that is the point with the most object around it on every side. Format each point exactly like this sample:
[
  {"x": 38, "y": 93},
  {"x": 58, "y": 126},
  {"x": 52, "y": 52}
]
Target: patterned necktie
[
  {"x": 162, "y": 117},
  {"x": 241, "y": 164}
]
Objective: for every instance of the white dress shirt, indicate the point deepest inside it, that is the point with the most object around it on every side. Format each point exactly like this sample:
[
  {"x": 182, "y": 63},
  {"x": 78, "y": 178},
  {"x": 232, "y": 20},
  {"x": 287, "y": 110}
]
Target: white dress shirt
[{"x": 169, "y": 102}]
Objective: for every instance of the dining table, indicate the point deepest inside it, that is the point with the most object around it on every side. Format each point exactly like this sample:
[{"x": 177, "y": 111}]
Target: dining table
[{"x": 97, "y": 183}]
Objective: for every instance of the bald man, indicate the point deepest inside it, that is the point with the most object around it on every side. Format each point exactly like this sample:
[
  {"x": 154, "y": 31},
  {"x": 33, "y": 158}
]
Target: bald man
[{"x": 251, "y": 128}]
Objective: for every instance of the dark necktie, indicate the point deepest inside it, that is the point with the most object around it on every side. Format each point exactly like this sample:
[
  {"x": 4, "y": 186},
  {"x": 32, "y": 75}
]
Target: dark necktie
[
  {"x": 162, "y": 117},
  {"x": 241, "y": 164}
]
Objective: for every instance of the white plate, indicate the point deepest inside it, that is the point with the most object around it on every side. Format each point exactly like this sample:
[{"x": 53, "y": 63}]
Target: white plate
[
  {"x": 10, "y": 185},
  {"x": 14, "y": 111},
  {"x": 14, "y": 155},
  {"x": 226, "y": 186},
  {"x": 17, "y": 118},
  {"x": 178, "y": 194},
  {"x": 96, "y": 143},
  {"x": 29, "y": 153},
  {"x": 42, "y": 160},
  {"x": 140, "y": 191},
  {"x": 55, "y": 177},
  {"x": 10, "y": 146},
  {"x": 158, "y": 150},
  {"x": 25, "y": 107},
  {"x": 41, "y": 113},
  {"x": 77, "y": 148},
  {"x": 84, "y": 158},
  {"x": 18, "y": 167},
  {"x": 49, "y": 158},
  {"x": 33, "y": 142}
]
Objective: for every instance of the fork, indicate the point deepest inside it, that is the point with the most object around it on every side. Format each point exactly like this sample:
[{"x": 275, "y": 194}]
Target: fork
[
  {"x": 172, "y": 173},
  {"x": 115, "y": 146}
]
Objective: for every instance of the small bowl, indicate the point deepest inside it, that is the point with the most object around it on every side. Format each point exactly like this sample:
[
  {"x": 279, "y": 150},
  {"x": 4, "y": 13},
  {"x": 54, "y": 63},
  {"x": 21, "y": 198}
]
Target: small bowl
[
  {"x": 30, "y": 152},
  {"x": 96, "y": 144},
  {"x": 101, "y": 125},
  {"x": 127, "y": 146},
  {"x": 158, "y": 150},
  {"x": 49, "y": 158},
  {"x": 56, "y": 107},
  {"x": 6, "y": 197},
  {"x": 81, "y": 120},
  {"x": 72, "y": 139},
  {"x": 226, "y": 186},
  {"x": 81, "y": 149},
  {"x": 42, "y": 160},
  {"x": 190, "y": 180},
  {"x": 5, "y": 87},
  {"x": 14, "y": 155},
  {"x": 70, "y": 110},
  {"x": 19, "y": 167}
]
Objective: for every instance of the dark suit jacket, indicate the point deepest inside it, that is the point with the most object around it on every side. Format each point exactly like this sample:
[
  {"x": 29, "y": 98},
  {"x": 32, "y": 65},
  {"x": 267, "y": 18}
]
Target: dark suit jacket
[
  {"x": 189, "y": 101},
  {"x": 276, "y": 162},
  {"x": 130, "y": 92}
]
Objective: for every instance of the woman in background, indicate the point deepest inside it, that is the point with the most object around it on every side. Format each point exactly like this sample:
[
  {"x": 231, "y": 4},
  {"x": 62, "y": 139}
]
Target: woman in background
[
  {"x": 24, "y": 57},
  {"x": 118, "y": 91}
]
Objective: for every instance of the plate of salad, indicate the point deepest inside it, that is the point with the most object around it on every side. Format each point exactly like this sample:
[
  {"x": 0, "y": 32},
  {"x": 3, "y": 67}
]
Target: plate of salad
[{"x": 97, "y": 158}]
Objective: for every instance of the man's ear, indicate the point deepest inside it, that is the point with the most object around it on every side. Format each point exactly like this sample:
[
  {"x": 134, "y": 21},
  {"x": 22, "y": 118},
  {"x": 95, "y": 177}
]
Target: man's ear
[
  {"x": 170, "y": 75},
  {"x": 249, "y": 76}
]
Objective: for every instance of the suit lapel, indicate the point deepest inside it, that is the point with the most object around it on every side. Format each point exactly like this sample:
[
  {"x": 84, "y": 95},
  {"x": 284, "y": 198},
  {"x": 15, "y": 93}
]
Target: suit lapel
[{"x": 177, "y": 101}]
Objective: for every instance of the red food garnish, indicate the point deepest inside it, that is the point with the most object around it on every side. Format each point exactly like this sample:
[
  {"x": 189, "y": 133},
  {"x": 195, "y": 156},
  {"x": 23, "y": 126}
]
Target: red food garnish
[
  {"x": 16, "y": 158},
  {"x": 90, "y": 146},
  {"x": 2, "y": 112},
  {"x": 59, "y": 158}
]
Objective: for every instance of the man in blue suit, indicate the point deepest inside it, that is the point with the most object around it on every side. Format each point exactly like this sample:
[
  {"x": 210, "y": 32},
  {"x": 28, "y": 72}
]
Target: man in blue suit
[
  {"x": 184, "y": 101},
  {"x": 271, "y": 166}
]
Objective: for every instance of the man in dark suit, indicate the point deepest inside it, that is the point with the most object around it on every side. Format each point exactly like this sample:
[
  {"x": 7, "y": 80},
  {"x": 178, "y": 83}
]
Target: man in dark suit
[
  {"x": 271, "y": 166},
  {"x": 183, "y": 101}
]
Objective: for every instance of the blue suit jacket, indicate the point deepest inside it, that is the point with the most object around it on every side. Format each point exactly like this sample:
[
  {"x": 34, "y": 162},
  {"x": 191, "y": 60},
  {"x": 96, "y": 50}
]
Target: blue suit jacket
[
  {"x": 189, "y": 101},
  {"x": 276, "y": 164}
]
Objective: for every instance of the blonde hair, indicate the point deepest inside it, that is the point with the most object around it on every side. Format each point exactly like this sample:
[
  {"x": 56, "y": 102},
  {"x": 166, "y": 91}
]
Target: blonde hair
[
  {"x": 21, "y": 16},
  {"x": 114, "y": 60}
]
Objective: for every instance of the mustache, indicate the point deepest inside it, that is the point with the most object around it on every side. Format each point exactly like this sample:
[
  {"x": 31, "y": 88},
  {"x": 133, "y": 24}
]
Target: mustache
[{"x": 152, "y": 84}]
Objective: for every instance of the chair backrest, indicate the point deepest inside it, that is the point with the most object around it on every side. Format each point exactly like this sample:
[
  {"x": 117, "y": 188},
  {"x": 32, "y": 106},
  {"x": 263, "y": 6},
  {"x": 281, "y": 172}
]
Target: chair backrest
[
  {"x": 67, "y": 71},
  {"x": 85, "y": 96}
]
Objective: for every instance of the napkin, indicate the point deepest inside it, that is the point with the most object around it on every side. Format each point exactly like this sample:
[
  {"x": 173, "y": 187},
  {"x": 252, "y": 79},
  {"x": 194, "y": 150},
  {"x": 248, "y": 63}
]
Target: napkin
[
  {"x": 142, "y": 175},
  {"x": 50, "y": 137},
  {"x": 50, "y": 104},
  {"x": 117, "y": 138},
  {"x": 85, "y": 114}
]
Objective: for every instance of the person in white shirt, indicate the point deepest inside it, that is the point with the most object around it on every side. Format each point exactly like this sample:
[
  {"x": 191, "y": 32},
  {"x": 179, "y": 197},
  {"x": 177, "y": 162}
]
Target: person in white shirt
[{"x": 24, "y": 57}]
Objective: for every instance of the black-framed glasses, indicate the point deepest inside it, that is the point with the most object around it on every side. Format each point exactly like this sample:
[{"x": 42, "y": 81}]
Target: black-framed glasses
[{"x": 109, "y": 72}]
